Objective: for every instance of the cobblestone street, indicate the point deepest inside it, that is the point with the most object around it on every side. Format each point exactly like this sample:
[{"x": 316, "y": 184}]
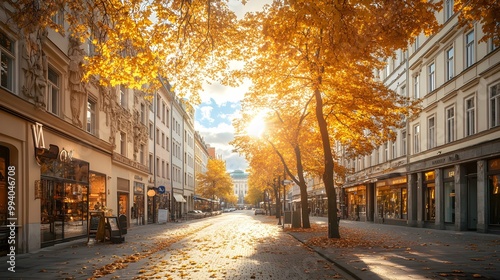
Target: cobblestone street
[{"x": 235, "y": 246}]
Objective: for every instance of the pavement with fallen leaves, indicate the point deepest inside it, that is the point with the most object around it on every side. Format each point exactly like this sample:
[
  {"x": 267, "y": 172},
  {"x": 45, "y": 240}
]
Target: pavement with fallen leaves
[
  {"x": 240, "y": 245},
  {"x": 375, "y": 251},
  {"x": 236, "y": 245}
]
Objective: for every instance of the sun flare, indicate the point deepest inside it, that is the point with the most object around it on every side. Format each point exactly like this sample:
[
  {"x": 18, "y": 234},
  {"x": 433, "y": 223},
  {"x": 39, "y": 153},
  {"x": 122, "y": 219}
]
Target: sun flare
[{"x": 257, "y": 126}]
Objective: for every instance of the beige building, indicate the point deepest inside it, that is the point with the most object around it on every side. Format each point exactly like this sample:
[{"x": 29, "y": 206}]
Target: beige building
[
  {"x": 443, "y": 170},
  {"x": 69, "y": 148},
  {"x": 66, "y": 147}
]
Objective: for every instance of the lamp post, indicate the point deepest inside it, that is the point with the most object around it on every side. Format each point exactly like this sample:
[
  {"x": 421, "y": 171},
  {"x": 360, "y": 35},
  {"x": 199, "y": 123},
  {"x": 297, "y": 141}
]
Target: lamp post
[
  {"x": 285, "y": 182},
  {"x": 278, "y": 206}
]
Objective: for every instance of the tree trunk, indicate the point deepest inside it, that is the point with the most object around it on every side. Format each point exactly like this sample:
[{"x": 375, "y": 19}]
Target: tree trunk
[
  {"x": 328, "y": 180},
  {"x": 303, "y": 189}
]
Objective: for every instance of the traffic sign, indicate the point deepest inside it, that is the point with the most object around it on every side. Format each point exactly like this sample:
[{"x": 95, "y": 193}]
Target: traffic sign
[{"x": 161, "y": 189}]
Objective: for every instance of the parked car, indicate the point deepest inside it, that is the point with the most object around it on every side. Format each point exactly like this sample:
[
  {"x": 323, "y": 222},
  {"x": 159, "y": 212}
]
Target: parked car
[
  {"x": 259, "y": 211},
  {"x": 195, "y": 214}
]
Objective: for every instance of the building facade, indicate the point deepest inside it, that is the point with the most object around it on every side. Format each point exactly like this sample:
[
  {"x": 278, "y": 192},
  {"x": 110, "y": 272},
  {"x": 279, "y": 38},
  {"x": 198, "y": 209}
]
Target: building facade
[
  {"x": 443, "y": 169},
  {"x": 69, "y": 148},
  {"x": 66, "y": 147},
  {"x": 240, "y": 186}
]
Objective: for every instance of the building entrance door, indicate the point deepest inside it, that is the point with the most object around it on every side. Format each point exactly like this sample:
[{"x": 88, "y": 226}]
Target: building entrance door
[
  {"x": 52, "y": 212},
  {"x": 472, "y": 202}
]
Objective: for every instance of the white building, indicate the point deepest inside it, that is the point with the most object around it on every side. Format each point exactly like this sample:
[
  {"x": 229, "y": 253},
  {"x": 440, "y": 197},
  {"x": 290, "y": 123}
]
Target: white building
[
  {"x": 240, "y": 183},
  {"x": 443, "y": 170}
]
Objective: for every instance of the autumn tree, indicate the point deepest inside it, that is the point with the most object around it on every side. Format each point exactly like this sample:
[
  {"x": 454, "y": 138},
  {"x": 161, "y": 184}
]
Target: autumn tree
[
  {"x": 327, "y": 51},
  {"x": 265, "y": 166},
  {"x": 487, "y": 13},
  {"x": 136, "y": 41},
  {"x": 215, "y": 182}
]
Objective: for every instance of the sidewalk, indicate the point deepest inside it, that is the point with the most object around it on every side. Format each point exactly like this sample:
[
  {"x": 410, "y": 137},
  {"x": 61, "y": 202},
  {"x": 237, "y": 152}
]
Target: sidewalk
[
  {"x": 78, "y": 260},
  {"x": 386, "y": 252},
  {"x": 399, "y": 252}
]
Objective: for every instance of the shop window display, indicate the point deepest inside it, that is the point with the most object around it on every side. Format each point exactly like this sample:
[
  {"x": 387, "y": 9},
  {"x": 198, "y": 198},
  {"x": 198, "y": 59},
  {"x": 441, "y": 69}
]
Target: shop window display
[
  {"x": 494, "y": 191},
  {"x": 97, "y": 193},
  {"x": 389, "y": 201}
]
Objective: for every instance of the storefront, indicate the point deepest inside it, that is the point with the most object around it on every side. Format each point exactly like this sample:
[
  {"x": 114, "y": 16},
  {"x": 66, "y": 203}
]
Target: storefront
[
  {"x": 123, "y": 198},
  {"x": 429, "y": 187},
  {"x": 6, "y": 171},
  {"x": 392, "y": 199},
  {"x": 494, "y": 194},
  {"x": 137, "y": 209},
  {"x": 449, "y": 195},
  {"x": 63, "y": 193},
  {"x": 97, "y": 193},
  {"x": 356, "y": 202}
]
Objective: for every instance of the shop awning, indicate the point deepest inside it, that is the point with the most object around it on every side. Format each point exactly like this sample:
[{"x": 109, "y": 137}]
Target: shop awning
[{"x": 179, "y": 198}]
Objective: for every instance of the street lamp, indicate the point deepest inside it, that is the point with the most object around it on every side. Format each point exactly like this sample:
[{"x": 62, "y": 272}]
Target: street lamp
[
  {"x": 285, "y": 182},
  {"x": 278, "y": 206}
]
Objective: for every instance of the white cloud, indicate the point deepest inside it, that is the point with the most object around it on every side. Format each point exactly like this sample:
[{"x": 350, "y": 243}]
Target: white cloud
[
  {"x": 219, "y": 138},
  {"x": 206, "y": 112},
  {"x": 220, "y": 134},
  {"x": 222, "y": 94}
]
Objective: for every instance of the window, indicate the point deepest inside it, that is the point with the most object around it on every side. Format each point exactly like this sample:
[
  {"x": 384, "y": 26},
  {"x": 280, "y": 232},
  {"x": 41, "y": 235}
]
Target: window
[
  {"x": 448, "y": 9},
  {"x": 386, "y": 151},
  {"x": 6, "y": 62},
  {"x": 163, "y": 140},
  {"x": 158, "y": 136},
  {"x": 151, "y": 131},
  {"x": 432, "y": 77},
  {"x": 91, "y": 116},
  {"x": 141, "y": 154},
  {"x": 158, "y": 102},
  {"x": 91, "y": 50},
  {"x": 150, "y": 163},
  {"x": 492, "y": 44},
  {"x": 58, "y": 18},
  {"x": 163, "y": 111},
  {"x": 495, "y": 105},
  {"x": 416, "y": 139},
  {"x": 431, "y": 124},
  {"x": 469, "y": 49},
  {"x": 416, "y": 86},
  {"x": 393, "y": 150},
  {"x": 143, "y": 113},
  {"x": 123, "y": 143},
  {"x": 450, "y": 73},
  {"x": 403, "y": 91},
  {"x": 53, "y": 92},
  {"x": 123, "y": 96},
  {"x": 470, "y": 117},
  {"x": 167, "y": 122},
  {"x": 417, "y": 44},
  {"x": 403, "y": 143},
  {"x": 450, "y": 124}
]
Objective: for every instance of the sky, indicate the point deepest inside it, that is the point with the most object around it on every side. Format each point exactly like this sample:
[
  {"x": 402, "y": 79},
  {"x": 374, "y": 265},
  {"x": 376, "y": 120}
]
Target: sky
[{"x": 221, "y": 104}]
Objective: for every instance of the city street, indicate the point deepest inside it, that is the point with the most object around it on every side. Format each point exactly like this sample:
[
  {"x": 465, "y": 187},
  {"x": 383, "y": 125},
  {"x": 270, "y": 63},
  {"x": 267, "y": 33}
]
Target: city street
[{"x": 237, "y": 245}]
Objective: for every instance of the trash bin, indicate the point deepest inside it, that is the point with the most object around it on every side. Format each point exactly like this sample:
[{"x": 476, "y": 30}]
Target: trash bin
[{"x": 122, "y": 219}]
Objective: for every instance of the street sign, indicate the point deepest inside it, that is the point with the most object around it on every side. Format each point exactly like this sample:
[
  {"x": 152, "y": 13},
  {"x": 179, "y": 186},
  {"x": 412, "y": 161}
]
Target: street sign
[{"x": 161, "y": 189}]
